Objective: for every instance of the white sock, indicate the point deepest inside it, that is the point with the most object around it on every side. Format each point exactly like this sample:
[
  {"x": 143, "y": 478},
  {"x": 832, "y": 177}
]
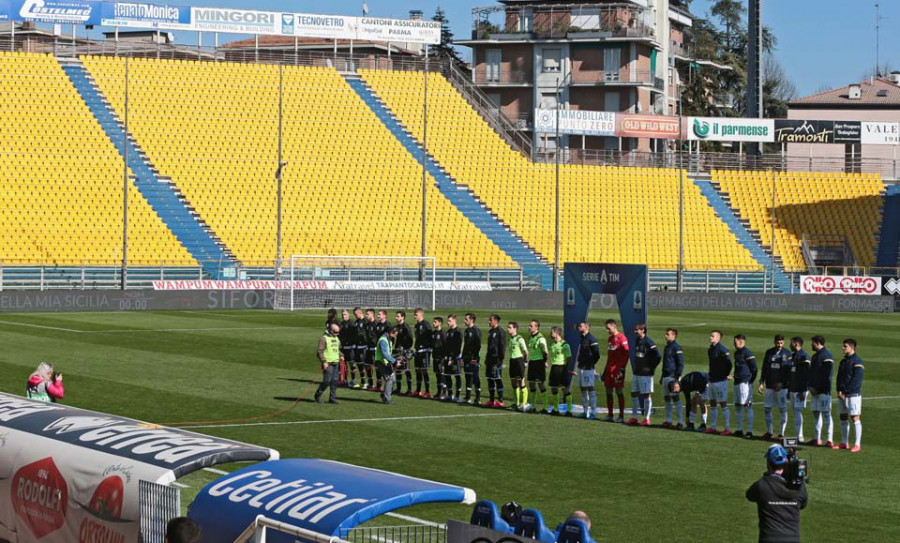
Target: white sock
[
  {"x": 592, "y": 397},
  {"x": 818, "y": 419},
  {"x": 845, "y": 431},
  {"x": 858, "y": 427},
  {"x": 829, "y": 426},
  {"x": 784, "y": 418},
  {"x": 739, "y": 409},
  {"x": 635, "y": 407},
  {"x": 714, "y": 416},
  {"x": 750, "y": 419},
  {"x": 704, "y": 416},
  {"x": 769, "y": 420},
  {"x": 668, "y": 411},
  {"x": 648, "y": 405},
  {"x": 680, "y": 410},
  {"x": 798, "y": 422},
  {"x": 727, "y": 414},
  {"x": 585, "y": 402}
]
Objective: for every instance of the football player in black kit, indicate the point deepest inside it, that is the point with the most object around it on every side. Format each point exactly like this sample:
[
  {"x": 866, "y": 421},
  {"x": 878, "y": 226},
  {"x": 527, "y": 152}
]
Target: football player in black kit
[
  {"x": 347, "y": 337},
  {"x": 471, "y": 355},
  {"x": 493, "y": 362},
  {"x": 453, "y": 360},
  {"x": 359, "y": 356},
  {"x": 438, "y": 355},
  {"x": 404, "y": 341},
  {"x": 423, "y": 353}
]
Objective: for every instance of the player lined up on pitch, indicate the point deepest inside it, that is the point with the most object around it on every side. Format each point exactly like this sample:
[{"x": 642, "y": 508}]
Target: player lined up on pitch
[{"x": 380, "y": 354}]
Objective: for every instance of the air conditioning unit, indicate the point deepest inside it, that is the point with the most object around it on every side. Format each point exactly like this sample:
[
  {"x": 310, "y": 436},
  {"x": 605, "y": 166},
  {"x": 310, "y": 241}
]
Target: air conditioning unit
[
  {"x": 855, "y": 92},
  {"x": 894, "y": 78}
]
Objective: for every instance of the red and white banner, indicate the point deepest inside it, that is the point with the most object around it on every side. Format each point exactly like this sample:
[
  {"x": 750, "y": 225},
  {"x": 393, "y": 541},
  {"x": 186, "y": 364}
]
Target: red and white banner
[
  {"x": 469, "y": 286},
  {"x": 840, "y": 284},
  {"x": 647, "y": 126}
]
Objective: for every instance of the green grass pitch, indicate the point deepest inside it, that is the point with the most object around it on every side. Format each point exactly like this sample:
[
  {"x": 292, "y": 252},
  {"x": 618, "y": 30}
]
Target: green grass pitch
[{"x": 638, "y": 484}]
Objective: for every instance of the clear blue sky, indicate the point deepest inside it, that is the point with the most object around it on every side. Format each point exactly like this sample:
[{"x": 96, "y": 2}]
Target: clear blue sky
[{"x": 820, "y": 42}]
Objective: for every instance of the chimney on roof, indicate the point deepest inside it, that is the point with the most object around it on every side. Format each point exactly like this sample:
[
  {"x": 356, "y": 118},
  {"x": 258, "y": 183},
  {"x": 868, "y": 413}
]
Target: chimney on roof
[{"x": 855, "y": 92}]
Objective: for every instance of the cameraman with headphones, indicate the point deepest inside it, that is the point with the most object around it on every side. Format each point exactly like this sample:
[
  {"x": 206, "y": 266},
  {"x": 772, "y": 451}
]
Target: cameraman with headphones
[{"x": 778, "y": 504}]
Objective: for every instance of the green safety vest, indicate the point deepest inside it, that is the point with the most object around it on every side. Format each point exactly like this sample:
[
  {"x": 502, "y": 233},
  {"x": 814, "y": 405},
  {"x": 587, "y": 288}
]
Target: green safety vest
[
  {"x": 516, "y": 347},
  {"x": 537, "y": 345},
  {"x": 379, "y": 356},
  {"x": 559, "y": 351},
  {"x": 41, "y": 397},
  {"x": 332, "y": 349}
]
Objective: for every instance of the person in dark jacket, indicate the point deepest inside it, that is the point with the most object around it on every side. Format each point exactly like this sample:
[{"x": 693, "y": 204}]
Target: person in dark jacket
[
  {"x": 778, "y": 505},
  {"x": 744, "y": 375},
  {"x": 672, "y": 368},
  {"x": 362, "y": 347},
  {"x": 423, "y": 353},
  {"x": 471, "y": 354},
  {"x": 493, "y": 362},
  {"x": 404, "y": 342},
  {"x": 586, "y": 360},
  {"x": 696, "y": 382},
  {"x": 347, "y": 336},
  {"x": 799, "y": 383},
  {"x": 849, "y": 388},
  {"x": 821, "y": 370},
  {"x": 646, "y": 358},
  {"x": 772, "y": 383},
  {"x": 453, "y": 360},
  {"x": 719, "y": 375},
  {"x": 438, "y": 356}
]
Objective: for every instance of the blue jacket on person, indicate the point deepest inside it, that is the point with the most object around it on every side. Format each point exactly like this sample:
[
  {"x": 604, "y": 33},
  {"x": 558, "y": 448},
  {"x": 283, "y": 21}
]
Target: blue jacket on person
[
  {"x": 673, "y": 360},
  {"x": 820, "y": 372},
  {"x": 744, "y": 366},
  {"x": 850, "y": 375}
]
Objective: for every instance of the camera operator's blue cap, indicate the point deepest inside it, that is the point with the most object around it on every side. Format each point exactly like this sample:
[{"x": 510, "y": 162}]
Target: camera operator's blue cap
[{"x": 776, "y": 455}]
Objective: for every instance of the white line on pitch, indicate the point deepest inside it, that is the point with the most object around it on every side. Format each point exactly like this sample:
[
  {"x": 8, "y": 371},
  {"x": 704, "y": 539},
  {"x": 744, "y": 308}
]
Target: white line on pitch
[
  {"x": 216, "y": 471},
  {"x": 331, "y": 421},
  {"x": 214, "y": 329},
  {"x": 41, "y": 326},
  {"x": 416, "y": 520}
]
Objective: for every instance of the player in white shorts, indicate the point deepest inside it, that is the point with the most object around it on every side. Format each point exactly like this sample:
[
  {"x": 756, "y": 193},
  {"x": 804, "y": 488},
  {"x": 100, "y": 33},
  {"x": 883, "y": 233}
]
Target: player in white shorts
[
  {"x": 773, "y": 383},
  {"x": 822, "y": 366},
  {"x": 799, "y": 387},
  {"x": 720, "y": 366},
  {"x": 849, "y": 387},
  {"x": 744, "y": 376},
  {"x": 646, "y": 358}
]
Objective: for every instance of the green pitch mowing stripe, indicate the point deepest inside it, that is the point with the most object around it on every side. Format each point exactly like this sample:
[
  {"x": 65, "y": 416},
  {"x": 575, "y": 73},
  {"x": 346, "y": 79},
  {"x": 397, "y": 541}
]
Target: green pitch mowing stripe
[{"x": 636, "y": 483}]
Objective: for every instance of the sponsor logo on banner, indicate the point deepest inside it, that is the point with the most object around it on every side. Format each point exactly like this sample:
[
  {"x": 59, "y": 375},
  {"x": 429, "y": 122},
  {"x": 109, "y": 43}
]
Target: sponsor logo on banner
[
  {"x": 577, "y": 122},
  {"x": 806, "y": 131},
  {"x": 880, "y": 133},
  {"x": 398, "y": 30},
  {"x": 235, "y": 20},
  {"x": 647, "y": 126},
  {"x": 40, "y": 497},
  {"x": 730, "y": 129},
  {"x": 142, "y": 15},
  {"x": 287, "y": 23},
  {"x": 840, "y": 284},
  {"x": 322, "y": 26},
  {"x": 60, "y": 11},
  {"x": 321, "y": 285},
  {"x": 4, "y": 10},
  {"x": 890, "y": 286}
]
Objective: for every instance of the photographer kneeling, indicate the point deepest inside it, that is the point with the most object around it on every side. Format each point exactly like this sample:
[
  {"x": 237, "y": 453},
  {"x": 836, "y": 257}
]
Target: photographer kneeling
[
  {"x": 45, "y": 384},
  {"x": 778, "y": 501}
]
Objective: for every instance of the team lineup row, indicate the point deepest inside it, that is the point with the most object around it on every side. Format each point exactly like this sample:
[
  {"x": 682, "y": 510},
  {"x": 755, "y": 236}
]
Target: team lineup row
[{"x": 378, "y": 352}]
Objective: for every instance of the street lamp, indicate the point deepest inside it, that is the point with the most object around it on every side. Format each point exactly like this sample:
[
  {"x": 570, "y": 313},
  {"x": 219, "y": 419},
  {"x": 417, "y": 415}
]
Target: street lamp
[{"x": 559, "y": 86}]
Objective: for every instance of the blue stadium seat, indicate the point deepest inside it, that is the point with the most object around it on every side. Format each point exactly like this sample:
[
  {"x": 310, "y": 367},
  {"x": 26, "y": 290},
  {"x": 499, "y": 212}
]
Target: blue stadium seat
[
  {"x": 574, "y": 531},
  {"x": 531, "y": 524},
  {"x": 487, "y": 515}
]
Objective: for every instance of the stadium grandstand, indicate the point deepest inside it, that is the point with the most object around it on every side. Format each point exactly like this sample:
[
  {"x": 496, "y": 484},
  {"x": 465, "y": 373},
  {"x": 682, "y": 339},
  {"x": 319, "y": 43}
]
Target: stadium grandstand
[{"x": 203, "y": 140}]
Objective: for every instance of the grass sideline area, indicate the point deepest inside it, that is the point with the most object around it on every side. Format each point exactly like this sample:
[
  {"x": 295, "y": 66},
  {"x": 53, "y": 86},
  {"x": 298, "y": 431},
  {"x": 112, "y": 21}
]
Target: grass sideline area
[{"x": 636, "y": 483}]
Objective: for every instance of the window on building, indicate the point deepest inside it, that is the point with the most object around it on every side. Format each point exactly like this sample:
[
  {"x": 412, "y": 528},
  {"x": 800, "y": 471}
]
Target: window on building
[
  {"x": 552, "y": 60},
  {"x": 492, "y": 63},
  {"x": 612, "y": 63}
]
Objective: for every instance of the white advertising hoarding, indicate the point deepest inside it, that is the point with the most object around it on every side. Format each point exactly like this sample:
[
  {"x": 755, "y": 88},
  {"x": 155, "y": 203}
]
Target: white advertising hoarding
[
  {"x": 873, "y": 133},
  {"x": 840, "y": 284},
  {"x": 577, "y": 122},
  {"x": 730, "y": 129},
  {"x": 398, "y": 30}
]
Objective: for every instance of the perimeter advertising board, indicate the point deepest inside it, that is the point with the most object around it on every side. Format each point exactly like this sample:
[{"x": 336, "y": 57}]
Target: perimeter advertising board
[
  {"x": 144, "y": 15},
  {"x": 647, "y": 126},
  {"x": 840, "y": 284},
  {"x": 576, "y": 122},
  {"x": 4, "y": 10},
  {"x": 804, "y": 131},
  {"x": 68, "y": 474},
  {"x": 880, "y": 133},
  {"x": 398, "y": 30},
  {"x": 78, "y": 12},
  {"x": 309, "y": 25},
  {"x": 730, "y": 129}
]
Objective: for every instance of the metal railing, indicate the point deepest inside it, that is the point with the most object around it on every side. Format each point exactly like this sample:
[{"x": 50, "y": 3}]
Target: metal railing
[
  {"x": 620, "y": 76},
  {"x": 483, "y": 76}
]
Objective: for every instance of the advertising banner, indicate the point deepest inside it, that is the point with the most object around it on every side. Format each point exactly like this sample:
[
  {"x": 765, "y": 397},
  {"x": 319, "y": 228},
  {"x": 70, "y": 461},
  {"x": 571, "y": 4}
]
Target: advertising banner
[
  {"x": 840, "y": 284},
  {"x": 79, "y": 12},
  {"x": 804, "y": 131},
  {"x": 890, "y": 286},
  {"x": 324, "y": 496},
  {"x": 143, "y": 15},
  {"x": 647, "y": 126},
  {"x": 730, "y": 129},
  {"x": 237, "y": 21},
  {"x": 309, "y": 25},
  {"x": 880, "y": 133},
  {"x": 575, "y": 122},
  {"x": 4, "y": 10},
  {"x": 398, "y": 30},
  {"x": 200, "y": 284},
  {"x": 68, "y": 474}
]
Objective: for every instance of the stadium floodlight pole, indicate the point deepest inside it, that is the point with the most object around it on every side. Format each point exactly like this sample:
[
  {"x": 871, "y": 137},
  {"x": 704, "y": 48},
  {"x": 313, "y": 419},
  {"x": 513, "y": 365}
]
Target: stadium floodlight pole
[
  {"x": 279, "y": 172},
  {"x": 425, "y": 170},
  {"x": 679, "y": 276},
  {"x": 559, "y": 86},
  {"x": 125, "y": 187}
]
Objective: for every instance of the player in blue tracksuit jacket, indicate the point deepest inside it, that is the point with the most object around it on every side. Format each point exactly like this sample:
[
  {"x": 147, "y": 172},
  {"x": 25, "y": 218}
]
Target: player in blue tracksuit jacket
[
  {"x": 696, "y": 382},
  {"x": 849, "y": 387},
  {"x": 821, "y": 370},
  {"x": 799, "y": 383},
  {"x": 744, "y": 376},
  {"x": 672, "y": 368},
  {"x": 719, "y": 375},
  {"x": 773, "y": 384}
]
